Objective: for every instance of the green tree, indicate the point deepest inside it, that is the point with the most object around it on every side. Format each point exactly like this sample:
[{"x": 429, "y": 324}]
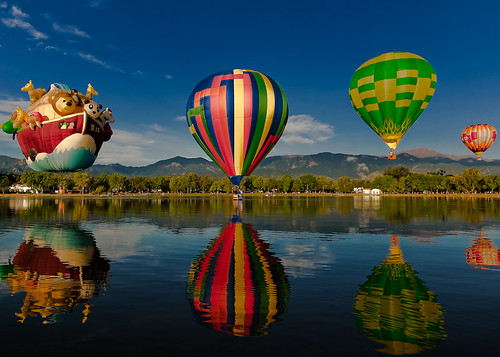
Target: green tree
[
  {"x": 285, "y": 183},
  {"x": 469, "y": 180},
  {"x": 116, "y": 182},
  {"x": 204, "y": 182},
  {"x": 296, "y": 185},
  {"x": 386, "y": 183},
  {"x": 81, "y": 180},
  {"x": 324, "y": 184},
  {"x": 344, "y": 184},
  {"x": 270, "y": 184},
  {"x": 309, "y": 183},
  {"x": 217, "y": 186},
  {"x": 397, "y": 172},
  {"x": 4, "y": 183}
]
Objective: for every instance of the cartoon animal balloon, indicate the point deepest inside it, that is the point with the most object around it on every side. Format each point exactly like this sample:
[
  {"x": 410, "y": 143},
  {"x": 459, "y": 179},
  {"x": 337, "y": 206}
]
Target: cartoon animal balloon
[
  {"x": 389, "y": 92},
  {"x": 61, "y": 130},
  {"x": 478, "y": 138},
  {"x": 237, "y": 117}
]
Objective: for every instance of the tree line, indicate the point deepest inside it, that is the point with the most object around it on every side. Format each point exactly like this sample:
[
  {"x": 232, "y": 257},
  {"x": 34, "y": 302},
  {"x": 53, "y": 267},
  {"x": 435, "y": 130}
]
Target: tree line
[{"x": 398, "y": 179}]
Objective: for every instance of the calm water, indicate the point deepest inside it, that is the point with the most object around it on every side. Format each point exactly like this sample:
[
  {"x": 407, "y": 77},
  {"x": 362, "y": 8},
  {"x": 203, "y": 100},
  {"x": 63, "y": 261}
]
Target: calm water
[{"x": 345, "y": 276}]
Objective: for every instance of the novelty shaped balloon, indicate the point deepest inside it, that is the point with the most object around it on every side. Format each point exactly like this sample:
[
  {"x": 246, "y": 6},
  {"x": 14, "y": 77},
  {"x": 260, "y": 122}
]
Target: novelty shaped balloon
[
  {"x": 62, "y": 129},
  {"x": 237, "y": 117},
  {"x": 478, "y": 138},
  {"x": 389, "y": 92},
  {"x": 237, "y": 286}
]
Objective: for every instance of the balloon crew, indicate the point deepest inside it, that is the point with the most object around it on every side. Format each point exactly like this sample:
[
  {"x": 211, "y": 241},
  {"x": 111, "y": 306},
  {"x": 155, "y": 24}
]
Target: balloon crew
[
  {"x": 237, "y": 117},
  {"x": 62, "y": 129},
  {"x": 389, "y": 92}
]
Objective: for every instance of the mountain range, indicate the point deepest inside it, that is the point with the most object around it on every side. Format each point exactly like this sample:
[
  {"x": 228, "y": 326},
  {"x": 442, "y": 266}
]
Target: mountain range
[{"x": 321, "y": 164}]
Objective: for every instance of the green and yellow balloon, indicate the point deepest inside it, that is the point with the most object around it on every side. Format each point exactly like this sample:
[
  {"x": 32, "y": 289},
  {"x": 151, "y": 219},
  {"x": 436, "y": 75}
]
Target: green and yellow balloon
[{"x": 389, "y": 92}]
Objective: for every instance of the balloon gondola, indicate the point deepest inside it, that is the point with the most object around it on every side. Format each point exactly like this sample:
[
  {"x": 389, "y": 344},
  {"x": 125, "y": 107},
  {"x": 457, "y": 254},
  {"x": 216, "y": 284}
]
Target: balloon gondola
[
  {"x": 395, "y": 308},
  {"x": 237, "y": 286},
  {"x": 62, "y": 129},
  {"x": 478, "y": 138},
  {"x": 390, "y": 92},
  {"x": 237, "y": 117}
]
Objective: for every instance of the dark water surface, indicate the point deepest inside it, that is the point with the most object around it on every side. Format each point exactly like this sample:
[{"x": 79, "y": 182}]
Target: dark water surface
[{"x": 344, "y": 276}]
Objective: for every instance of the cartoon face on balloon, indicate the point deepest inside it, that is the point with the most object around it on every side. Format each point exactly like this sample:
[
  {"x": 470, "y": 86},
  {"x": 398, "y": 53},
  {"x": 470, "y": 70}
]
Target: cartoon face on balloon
[{"x": 237, "y": 117}]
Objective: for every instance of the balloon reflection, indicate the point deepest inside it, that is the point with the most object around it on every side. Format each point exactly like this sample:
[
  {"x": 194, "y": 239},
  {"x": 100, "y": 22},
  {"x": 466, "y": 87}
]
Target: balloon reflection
[
  {"x": 237, "y": 285},
  {"x": 59, "y": 268},
  {"x": 396, "y": 309},
  {"x": 483, "y": 254}
]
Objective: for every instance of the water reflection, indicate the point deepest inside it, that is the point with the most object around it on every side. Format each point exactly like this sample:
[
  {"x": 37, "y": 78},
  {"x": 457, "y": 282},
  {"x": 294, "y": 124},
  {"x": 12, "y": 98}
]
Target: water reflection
[
  {"x": 483, "y": 254},
  {"x": 396, "y": 309},
  {"x": 237, "y": 285},
  {"x": 59, "y": 268}
]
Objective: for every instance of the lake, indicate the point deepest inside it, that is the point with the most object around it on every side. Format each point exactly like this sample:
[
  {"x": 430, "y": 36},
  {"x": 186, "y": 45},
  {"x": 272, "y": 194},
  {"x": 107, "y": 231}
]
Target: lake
[{"x": 268, "y": 276}]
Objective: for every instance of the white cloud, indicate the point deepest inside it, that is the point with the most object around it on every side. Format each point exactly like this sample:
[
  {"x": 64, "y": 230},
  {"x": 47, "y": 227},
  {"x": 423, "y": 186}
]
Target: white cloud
[
  {"x": 93, "y": 59},
  {"x": 168, "y": 76},
  {"x": 18, "y": 13},
  {"x": 8, "y": 106},
  {"x": 180, "y": 118},
  {"x": 304, "y": 260},
  {"x": 18, "y": 20},
  {"x": 304, "y": 129},
  {"x": 70, "y": 29},
  {"x": 3, "y": 5}
]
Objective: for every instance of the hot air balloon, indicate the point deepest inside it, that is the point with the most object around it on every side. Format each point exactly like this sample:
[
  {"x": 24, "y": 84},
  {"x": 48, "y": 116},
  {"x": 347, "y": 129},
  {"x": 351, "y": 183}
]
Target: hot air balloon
[
  {"x": 396, "y": 309},
  {"x": 478, "y": 138},
  {"x": 389, "y": 92},
  {"x": 237, "y": 117},
  {"x": 62, "y": 129},
  {"x": 483, "y": 254},
  {"x": 237, "y": 286},
  {"x": 59, "y": 268}
]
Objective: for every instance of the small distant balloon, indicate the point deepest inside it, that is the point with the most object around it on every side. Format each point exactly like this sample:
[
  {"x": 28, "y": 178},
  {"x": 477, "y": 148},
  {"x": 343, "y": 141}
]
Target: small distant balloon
[
  {"x": 237, "y": 117},
  {"x": 389, "y": 92},
  {"x": 478, "y": 138}
]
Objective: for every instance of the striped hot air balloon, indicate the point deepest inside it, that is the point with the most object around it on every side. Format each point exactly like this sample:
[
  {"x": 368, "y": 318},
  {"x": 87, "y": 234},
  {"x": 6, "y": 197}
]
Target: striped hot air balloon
[
  {"x": 237, "y": 285},
  {"x": 396, "y": 309},
  {"x": 237, "y": 117},
  {"x": 478, "y": 138},
  {"x": 389, "y": 92}
]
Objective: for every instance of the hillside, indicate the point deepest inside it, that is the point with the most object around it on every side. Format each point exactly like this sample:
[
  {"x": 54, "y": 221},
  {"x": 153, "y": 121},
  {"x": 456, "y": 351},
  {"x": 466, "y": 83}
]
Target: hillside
[{"x": 321, "y": 164}]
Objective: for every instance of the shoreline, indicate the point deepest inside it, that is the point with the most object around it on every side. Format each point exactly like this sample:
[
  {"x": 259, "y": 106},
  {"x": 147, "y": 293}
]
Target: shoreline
[{"x": 263, "y": 195}]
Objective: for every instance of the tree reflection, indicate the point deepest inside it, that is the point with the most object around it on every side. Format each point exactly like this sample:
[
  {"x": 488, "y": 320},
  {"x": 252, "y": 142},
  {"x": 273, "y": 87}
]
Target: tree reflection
[
  {"x": 237, "y": 285},
  {"x": 396, "y": 309}
]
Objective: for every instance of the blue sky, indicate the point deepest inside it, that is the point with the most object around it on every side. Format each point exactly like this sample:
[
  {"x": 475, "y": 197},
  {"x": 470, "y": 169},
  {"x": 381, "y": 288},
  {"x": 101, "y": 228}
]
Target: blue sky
[{"x": 145, "y": 58}]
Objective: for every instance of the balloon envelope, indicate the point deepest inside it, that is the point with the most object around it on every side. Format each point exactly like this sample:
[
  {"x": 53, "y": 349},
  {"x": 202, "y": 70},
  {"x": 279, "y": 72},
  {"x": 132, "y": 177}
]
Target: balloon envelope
[
  {"x": 478, "y": 138},
  {"x": 237, "y": 117},
  {"x": 67, "y": 136},
  {"x": 389, "y": 92}
]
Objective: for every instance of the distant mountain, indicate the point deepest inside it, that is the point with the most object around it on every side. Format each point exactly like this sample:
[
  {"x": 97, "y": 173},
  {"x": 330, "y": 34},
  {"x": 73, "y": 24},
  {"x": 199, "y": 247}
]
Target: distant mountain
[
  {"x": 9, "y": 164},
  {"x": 321, "y": 164},
  {"x": 423, "y": 153}
]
